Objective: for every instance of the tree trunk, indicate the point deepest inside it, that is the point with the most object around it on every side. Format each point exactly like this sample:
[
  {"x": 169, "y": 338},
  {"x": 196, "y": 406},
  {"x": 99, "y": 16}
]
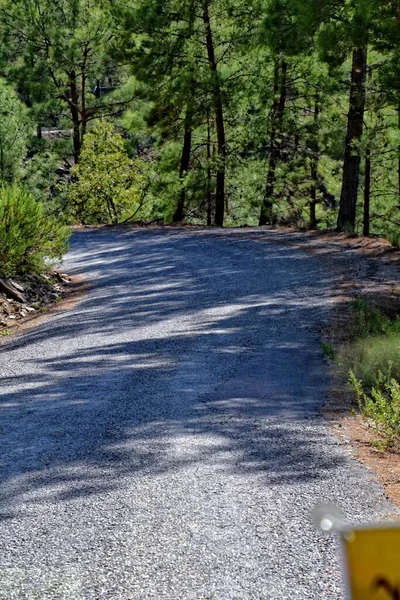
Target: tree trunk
[
  {"x": 351, "y": 166},
  {"x": 83, "y": 93},
  {"x": 219, "y": 121},
  {"x": 83, "y": 108},
  {"x": 398, "y": 164},
  {"x": 278, "y": 110},
  {"x": 367, "y": 192},
  {"x": 112, "y": 210},
  {"x": 314, "y": 164},
  {"x": 76, "y": 121},
  {"x": 184, "y": 169},
  {"x": 209, "y": 194}
]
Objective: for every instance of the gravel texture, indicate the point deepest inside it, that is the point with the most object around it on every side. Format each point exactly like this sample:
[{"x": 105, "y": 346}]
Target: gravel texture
[{"x": 163, "y": 439}]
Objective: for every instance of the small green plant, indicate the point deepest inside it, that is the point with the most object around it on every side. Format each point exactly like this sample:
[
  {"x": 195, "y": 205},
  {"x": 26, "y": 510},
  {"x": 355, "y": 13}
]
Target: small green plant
[
  {"x": 381, "y": 405},
  {"x": 329, "y": 350},
  {"x": 394, "y": 239},
  {"x": 28, "y": 237},
  {"x": 368, "y": 320},
  {"x": 379, "y": 445}
]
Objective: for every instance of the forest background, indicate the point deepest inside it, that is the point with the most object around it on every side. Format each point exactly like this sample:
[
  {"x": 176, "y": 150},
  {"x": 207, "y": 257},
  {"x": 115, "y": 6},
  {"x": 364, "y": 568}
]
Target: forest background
[{"x": 214, "y": 112}]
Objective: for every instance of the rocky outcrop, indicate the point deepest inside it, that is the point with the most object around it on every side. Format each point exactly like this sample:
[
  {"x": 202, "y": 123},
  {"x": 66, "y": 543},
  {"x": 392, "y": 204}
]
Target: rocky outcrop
[{"x": 20, "y": 300}]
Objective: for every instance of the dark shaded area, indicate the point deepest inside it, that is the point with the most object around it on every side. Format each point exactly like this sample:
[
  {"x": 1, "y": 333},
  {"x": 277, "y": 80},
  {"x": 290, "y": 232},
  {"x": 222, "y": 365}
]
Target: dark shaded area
[{"x": 181, "y": 335}]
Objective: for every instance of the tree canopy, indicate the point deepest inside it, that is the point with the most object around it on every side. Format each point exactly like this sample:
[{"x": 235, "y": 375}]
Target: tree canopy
[{"x": 264, "y": 111}]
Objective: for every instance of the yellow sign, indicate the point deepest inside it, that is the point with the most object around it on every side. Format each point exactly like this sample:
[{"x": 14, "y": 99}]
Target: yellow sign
[{"x": 373, "y": 563}]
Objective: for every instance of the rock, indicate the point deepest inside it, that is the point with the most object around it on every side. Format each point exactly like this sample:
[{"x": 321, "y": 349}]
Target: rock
[
  {"x": 9, "y": 290},
  {"x": 17, "y": 286},
  {"x": 62, "y": 277},
  {"x": 19, "y": 302},
  {"x": 7, "y": 308}
]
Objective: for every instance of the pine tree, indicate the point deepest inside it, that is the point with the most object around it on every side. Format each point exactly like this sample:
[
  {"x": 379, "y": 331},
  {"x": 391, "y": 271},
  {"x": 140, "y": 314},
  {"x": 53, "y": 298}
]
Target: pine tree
[
  {"x": 16, "y": 129},
  {"x": 59, "y": 49},
  {"x": 346, "y": 31},
  {"x": 285, "y": 36},
  {"x": 178, "y": 49}
]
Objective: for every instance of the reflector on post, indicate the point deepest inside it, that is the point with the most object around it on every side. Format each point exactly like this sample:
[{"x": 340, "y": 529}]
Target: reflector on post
[{"x": 371, "y": 555}]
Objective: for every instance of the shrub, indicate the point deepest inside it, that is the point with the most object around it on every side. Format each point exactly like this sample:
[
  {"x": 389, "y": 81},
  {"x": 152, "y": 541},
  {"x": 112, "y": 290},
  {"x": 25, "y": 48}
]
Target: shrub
[
  {"x": 106, "y": 185},
  {"x": 27, "y": 236},
  {"x": 328, "y": 350},
  {"x": 381, "y": 406}
]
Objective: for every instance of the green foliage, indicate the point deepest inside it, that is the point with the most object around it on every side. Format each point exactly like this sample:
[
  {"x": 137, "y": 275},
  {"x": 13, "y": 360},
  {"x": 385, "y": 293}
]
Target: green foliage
[
  {"x": 58, "y": 59},
  {"x": 15, "y": 131},
  {"x": 28, "y": 237},
  {"x": 329, "y": 350},
  {"x": 368, "y": 320},
  {"x": 374, "y": 342},
  {"x": 107, "y": 185},
  {"x": 394, "y": 239},
  {"x": 372, "y": 360},
  {"x": 40, "y": 174},
  {"x": 369, "y": 355},
  {"x": 77, "y": 62},
  {"x": 381, "y": 405}
]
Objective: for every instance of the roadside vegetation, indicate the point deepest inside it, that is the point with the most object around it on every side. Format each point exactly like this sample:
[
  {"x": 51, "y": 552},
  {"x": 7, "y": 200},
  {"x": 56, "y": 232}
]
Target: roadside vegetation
[
  {"x": 214, "y": 112},
  {"x": 370, "y": 358},
  {"x": 30, "y": 241},
  {"x": 29, "y": 237}
]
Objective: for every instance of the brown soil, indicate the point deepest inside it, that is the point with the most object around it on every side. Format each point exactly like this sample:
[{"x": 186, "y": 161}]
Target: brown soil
[{"x": 359, "y": 439}]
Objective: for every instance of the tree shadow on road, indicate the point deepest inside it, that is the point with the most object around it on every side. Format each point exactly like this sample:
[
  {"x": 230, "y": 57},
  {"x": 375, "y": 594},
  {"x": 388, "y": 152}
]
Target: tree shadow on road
[{"x": 184, "y": 341}]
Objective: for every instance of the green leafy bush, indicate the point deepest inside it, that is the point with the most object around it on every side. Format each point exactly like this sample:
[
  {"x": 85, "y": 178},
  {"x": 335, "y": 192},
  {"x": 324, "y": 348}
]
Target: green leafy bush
[
  {"x": 381, "y": 406},
  {"x": 372, "y": 359},
  {"x": 106, "y": 185},
  {"x": 27, "y": 235}
]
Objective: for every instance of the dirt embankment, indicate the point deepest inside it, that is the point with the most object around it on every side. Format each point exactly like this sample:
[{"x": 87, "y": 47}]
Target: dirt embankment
[{"x": 24, "y": 300}]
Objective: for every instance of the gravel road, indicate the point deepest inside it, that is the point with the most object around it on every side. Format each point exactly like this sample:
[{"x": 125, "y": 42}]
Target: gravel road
[{"x": 163, "y": 438}]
